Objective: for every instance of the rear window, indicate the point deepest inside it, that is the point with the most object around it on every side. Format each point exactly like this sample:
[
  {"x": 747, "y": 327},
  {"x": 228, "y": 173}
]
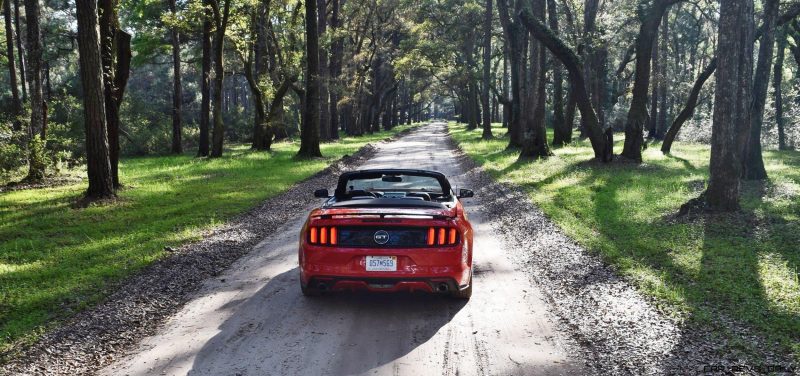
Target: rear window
[{"x": 399, "y": 183}]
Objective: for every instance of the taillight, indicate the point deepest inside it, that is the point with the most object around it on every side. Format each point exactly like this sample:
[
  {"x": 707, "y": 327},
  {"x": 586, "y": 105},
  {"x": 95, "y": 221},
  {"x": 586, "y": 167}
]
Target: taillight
[
  {"x": 442, "y": 236},
  {"x": 322, "y": 235},
  {"x": 312, "y": 235}
]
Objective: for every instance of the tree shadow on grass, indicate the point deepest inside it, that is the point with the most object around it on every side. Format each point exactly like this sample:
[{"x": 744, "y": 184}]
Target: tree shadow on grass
[
  {"x": 724, "y": 290},
  {"x": 686, "y": 163}
]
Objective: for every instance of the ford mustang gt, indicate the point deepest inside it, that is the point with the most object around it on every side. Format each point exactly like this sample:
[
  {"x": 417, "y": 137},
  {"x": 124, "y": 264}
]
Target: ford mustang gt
[{"x": 388, "y": 230}]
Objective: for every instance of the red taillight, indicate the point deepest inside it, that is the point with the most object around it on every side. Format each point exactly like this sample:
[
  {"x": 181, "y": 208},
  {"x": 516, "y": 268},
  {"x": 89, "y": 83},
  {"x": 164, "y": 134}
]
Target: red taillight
[
  {"x": 442, "y": 236},
  {"x": 323, "y": 235},
  {"x": 313, "y": 235}
]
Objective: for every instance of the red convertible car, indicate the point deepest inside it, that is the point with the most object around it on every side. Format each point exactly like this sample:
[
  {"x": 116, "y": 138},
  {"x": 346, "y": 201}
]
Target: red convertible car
[{"x": 388, "y": 230}]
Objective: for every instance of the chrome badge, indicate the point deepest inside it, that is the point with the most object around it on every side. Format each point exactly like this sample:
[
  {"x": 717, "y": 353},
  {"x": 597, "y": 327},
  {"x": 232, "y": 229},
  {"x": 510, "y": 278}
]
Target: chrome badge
[{"x": 381, "y": 237}]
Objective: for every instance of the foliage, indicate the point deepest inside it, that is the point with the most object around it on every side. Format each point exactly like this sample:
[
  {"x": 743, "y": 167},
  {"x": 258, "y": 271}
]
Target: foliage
[{"x": 12, "y": 156}]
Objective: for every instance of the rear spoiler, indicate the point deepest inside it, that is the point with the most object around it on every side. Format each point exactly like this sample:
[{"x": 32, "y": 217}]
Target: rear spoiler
[{"x": 381, "y": 215}]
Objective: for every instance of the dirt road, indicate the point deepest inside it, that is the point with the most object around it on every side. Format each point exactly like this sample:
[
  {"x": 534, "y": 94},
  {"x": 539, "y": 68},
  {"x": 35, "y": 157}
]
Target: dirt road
[{"x": 252, "y": 320}]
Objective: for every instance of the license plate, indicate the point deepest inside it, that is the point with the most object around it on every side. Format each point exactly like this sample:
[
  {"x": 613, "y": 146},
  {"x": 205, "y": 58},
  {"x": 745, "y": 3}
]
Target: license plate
[{"x": 381, "y": 263}]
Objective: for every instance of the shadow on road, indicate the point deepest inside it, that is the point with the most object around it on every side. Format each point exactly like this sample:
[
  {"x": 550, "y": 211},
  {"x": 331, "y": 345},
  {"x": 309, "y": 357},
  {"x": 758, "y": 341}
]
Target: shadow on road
[{"x": 338, "y": 333}]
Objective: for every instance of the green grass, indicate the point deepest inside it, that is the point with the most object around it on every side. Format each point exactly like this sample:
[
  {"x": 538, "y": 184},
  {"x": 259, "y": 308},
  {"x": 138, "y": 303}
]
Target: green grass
[
  {"x": 744, "y": 266},
  {"x": 56, "y": 260}
]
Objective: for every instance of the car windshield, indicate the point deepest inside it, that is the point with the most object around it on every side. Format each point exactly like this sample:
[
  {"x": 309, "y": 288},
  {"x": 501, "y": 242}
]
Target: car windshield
[{"x": 400, "y": 183}]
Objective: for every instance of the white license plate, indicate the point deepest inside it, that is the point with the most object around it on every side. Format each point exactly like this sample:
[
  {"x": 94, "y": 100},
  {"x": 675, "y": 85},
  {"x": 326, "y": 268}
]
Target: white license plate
[{"x": 381, "y": 263}]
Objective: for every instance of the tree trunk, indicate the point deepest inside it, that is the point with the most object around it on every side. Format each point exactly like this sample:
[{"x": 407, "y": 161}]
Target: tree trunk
[
  {"x": 506, "y": 104},
  {"x": 753, "y": 163},
  {"x": 637, "y": 114},
  {"x": 661, "y": 121},
  {"x": 98, "y": 165},
  {"x": 602, "y": 142},
  {"x": 487, "y": 61},
  {"x": 688, "y": 110},
  {"x": 205, "y": 88},
  {"x": 36, "y": 167},
  {"x": 324, "y": 70},
  {"x": 16, "y": 103},
  {"x": 652, "y": 120},
  {"x": 732, "y": 103},
  {"x": 218, "y": 133},
  {"x": 535, "y": 136},
  {"x": 177, "y": 93},
  {"x": 562, "y": 132},
  {"x": 21, "y": 53},
  {"x": 309, "y": 133},
  {"x": 337, "y": 52},
  {"x": 514, "y": 33},
  {"x": 111, "y": 44},
  {"x": 777, "y": 82},
  {"x": 595, "y": 61}
]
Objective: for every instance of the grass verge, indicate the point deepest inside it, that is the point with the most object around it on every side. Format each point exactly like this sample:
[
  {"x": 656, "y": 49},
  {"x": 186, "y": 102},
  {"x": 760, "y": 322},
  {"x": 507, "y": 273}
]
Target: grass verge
[
  {"x": 742, "y": 266},
  {"x": 56, "y": 260}
]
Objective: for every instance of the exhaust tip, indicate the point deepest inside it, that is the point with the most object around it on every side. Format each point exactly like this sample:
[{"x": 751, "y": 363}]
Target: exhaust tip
[
  {"x": 442, "y": 287},
  {"x": 322, "y": 287}
]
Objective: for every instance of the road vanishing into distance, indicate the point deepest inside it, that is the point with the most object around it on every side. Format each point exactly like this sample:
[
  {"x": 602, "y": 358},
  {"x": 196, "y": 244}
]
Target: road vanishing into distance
[{"x": 253, "y": 320}]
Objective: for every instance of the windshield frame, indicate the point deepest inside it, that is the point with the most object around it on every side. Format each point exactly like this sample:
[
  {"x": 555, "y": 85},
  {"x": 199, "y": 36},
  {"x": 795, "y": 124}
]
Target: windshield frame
[{"x": 341, "y": 187}]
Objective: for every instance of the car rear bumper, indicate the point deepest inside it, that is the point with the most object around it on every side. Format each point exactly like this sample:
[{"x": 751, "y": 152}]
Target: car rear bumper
[{"x": 417, "y": 269}]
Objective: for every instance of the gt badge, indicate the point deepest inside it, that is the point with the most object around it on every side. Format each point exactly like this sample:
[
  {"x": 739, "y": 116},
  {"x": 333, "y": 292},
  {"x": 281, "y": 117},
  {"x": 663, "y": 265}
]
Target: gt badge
[{"x": 381, "y": 237}]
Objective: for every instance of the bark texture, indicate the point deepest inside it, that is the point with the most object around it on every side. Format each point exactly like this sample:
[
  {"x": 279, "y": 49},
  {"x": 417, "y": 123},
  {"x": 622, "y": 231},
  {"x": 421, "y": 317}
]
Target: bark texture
[
  {"x": 98, "y": 166},
  {"x": 515, "y": 38},
  {"x": 562, "y": 132},
  {"x": 732, "y": 103},
  {"x": 20, "y": 48},
  {"x": 36, "y": 167},
  {"x": 115, "y": 52},
  {"x": 309, "y": 133},
  {"x": 324, "y": 71},
  {"x": 753, "y": 164},
  {"x": 777, "y": 82},
  {"x": 637, "y": 114},
  {"x": 337, "y": 53},
  {"x": 177, "y": 92},
  {"x": 535, "y": 133},
  {"x": 16, "y": 102},
  {"x": 205, "y": 88},
  {"x": 663, "y": 86},
  {"x": 688, "y": 110},
  {"x": 221, "y": 23},
  {"x": 601, "y": 139},
  {"x": 487, "y": 61}
]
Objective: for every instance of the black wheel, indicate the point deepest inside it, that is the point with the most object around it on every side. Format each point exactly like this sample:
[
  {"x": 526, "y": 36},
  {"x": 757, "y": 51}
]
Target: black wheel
[
  {"x": 309, "y": 291},
  {"x": 465, "y": 293}
]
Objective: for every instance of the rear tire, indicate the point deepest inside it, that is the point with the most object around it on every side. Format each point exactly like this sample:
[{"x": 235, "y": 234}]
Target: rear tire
[
  {"x": 309, "y": 291},
  {"x": 466, "y": 293}
]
